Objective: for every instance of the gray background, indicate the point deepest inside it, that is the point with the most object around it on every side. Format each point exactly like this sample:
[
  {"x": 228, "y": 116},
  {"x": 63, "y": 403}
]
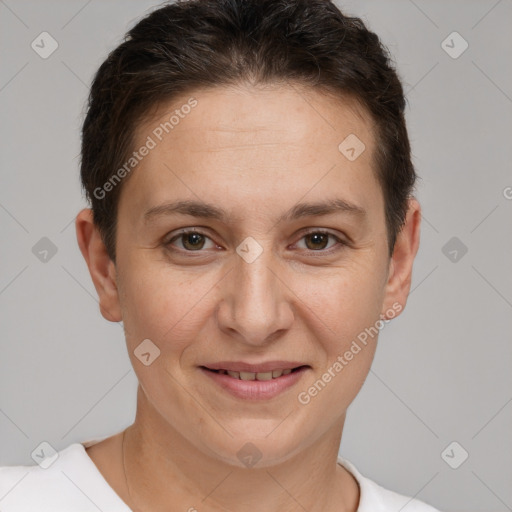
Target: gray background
[{"x": 442, "y": 369}]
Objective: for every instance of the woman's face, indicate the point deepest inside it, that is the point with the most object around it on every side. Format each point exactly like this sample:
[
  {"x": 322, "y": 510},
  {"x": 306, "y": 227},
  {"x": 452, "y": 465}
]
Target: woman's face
[{"x": 266, "y": 284}]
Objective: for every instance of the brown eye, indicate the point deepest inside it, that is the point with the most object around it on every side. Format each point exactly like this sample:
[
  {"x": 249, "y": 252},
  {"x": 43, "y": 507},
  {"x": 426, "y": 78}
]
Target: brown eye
[
  {"x": 318, "y": 240},
  {"x": 190, "y": 241}
]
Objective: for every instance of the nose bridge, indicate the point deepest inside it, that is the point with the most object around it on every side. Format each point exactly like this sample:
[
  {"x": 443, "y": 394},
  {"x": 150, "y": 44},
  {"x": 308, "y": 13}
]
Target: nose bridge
[{"x": 255, "y": 301}]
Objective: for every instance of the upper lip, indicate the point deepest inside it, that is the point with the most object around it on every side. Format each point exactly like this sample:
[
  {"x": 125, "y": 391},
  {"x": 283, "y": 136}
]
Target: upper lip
[{"x": 241, "y": 366}]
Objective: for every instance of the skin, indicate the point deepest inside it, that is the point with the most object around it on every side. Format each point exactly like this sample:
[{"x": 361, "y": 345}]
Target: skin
[{"x": 255, "y": 151}]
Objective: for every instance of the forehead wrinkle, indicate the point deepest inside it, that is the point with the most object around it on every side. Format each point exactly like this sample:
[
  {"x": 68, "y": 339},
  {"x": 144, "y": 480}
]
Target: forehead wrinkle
[{"x": 245, "y": 146}]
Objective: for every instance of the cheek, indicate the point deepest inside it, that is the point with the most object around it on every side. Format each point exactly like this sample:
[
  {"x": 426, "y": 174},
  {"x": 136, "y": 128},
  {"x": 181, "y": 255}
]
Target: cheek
[
  {"x": 345, "y": 301},
  {"x": 346, "y": 306},
  {"x": 163, "y": 304},
  {"x": 349, "y": 308}
]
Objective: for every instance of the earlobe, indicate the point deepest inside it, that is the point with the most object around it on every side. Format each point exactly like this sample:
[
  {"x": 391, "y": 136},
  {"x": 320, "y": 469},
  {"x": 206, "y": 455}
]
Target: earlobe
[
  {"x": 401, "y": 264},
  {"x": 101, "y": 267}
]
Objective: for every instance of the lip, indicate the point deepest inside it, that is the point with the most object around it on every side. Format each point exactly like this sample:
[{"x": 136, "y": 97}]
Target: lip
[
  {"x": 241, "y": 366},
  {"x": 255, "y": 389}
]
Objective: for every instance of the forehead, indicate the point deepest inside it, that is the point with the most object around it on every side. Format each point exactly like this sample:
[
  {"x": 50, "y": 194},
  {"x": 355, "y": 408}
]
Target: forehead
[
  {"x": 249, "y": 143},
  {"x": 293, "y": 113}
]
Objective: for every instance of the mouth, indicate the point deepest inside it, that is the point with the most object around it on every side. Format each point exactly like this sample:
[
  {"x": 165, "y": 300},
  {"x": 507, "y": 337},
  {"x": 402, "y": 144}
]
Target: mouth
[
  {"x": 260, "y": 376},
  {"x": 255, "y": 382}
]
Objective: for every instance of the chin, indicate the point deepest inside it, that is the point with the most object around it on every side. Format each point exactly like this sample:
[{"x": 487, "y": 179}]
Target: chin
[{"x": 257, "y": 444}]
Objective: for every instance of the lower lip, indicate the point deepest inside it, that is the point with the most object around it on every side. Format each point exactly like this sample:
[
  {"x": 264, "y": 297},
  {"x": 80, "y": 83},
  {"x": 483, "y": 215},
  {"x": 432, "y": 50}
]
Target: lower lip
[{"x": 255, "y": 389}]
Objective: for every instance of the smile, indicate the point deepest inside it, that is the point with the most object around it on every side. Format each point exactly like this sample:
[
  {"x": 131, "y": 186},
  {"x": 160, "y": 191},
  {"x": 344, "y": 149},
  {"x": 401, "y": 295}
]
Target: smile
[
  {"x": 274, "y": 374},
  {"x": 255, "y": 385}
]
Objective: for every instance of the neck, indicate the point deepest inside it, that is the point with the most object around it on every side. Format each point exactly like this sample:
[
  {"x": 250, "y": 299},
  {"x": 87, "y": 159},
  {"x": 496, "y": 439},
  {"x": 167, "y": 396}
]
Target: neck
[{"x": 162, "y": 467}]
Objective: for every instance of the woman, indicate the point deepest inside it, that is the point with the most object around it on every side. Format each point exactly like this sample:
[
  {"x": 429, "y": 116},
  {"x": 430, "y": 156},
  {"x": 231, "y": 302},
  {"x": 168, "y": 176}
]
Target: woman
[{"x": 252, "y": 224}]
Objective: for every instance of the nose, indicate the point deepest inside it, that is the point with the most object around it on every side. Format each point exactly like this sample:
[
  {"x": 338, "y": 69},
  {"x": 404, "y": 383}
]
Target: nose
[{"x": 256, "y": 302}]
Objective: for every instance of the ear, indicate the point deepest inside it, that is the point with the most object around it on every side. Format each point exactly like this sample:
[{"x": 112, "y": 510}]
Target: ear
[
  {"x": 401, "y": 262},
  {"x": 101, "y": 267}
]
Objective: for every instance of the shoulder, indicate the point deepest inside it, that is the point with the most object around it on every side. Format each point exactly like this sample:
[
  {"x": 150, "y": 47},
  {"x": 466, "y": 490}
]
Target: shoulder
[
  {"x": 67, "y": 481},
  {"x": 374, "y": 498}
]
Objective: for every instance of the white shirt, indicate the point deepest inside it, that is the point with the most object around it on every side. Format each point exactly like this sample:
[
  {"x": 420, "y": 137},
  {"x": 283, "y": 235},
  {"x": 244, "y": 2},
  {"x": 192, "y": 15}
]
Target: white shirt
[{"x": 73, "y": 483}]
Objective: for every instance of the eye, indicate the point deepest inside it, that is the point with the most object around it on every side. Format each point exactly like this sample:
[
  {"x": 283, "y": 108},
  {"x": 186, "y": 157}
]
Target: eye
[
  {"x": 191, "y": 240},
  {"x": 318, "y": 240}
]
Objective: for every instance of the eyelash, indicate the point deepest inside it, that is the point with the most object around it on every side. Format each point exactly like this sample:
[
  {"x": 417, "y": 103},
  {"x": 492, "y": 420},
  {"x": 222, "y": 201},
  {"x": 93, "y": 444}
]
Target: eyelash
[{"x": 340, "y": 243}]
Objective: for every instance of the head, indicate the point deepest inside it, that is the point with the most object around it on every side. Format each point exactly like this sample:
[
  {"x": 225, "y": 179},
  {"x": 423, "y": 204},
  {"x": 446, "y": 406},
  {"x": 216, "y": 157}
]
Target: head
[{"x": 250, "y": 113}]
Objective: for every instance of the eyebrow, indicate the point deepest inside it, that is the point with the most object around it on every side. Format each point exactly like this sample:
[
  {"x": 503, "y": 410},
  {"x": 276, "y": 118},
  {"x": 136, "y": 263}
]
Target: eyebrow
[{"x": 208, "y": 211}]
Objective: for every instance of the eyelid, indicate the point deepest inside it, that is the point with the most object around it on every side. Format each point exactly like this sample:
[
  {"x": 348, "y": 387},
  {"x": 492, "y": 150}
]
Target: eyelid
[
  {"x": 339, "y": 245},
  {"x": 175, "y": 235},
  {"x": 184, "y": 231}
]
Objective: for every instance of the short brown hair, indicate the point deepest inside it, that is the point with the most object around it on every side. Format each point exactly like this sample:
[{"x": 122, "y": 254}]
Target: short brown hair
[{"x": 195, "y": 44}]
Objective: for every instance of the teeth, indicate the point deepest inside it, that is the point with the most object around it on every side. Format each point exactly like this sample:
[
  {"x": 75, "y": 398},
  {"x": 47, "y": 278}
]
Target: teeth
[
  {"x": 264, "y": 376},
  {"x": 274, "y": 374}
]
